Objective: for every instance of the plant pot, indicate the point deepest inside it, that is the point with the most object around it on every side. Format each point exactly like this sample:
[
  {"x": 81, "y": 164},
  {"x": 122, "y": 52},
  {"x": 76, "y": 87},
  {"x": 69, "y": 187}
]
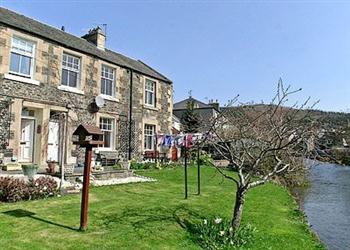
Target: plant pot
[
  {"x": 30, "y": 170},
  {"x": 51, "y": 167}
]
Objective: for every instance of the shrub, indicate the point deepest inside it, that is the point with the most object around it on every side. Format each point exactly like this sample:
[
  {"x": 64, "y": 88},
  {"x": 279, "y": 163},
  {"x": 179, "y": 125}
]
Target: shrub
[
  {"x": 43, "y": 187},
  {"x": 143, "y": 165},
  {"x": 205, "y": 159},
  {"x": 12, "y": 189},
  {"x": 117, "y": 166},
  {"x": 218, "y": 234}
]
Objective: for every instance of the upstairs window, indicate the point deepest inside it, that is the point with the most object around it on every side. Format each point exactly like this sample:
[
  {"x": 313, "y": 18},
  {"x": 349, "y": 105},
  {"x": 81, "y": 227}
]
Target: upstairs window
[
  {"x": 149, "y": 138},
  {"x": 150, "y": 92},
  {"x": 107, "y": 81},
  {"x": 70, "y": 71},
  {"x": 22, "y": 57},
  {"x": 107, "y": 127}
]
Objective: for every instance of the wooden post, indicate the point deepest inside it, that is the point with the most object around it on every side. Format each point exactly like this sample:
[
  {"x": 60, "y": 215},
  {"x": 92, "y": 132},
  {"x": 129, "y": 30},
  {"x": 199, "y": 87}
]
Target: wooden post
[
  {"x": 83, "y": 131},
  {"x": 86, "y": 187},
  {"x": 198, "y": 173}
]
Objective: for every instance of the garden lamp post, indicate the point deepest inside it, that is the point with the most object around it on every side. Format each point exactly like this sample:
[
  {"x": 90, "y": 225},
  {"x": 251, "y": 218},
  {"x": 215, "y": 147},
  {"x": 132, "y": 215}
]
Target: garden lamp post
[{"x": 89, "y": 137}]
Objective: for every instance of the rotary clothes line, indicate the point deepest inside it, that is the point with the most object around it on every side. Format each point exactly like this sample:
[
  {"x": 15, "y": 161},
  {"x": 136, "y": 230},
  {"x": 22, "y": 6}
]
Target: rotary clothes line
[{"x": 185, "y": 142}]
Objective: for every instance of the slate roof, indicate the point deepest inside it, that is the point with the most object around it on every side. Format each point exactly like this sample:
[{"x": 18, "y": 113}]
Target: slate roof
[
  {"x": 70, "y": 41},
  {"x": 183, "y": 104}
]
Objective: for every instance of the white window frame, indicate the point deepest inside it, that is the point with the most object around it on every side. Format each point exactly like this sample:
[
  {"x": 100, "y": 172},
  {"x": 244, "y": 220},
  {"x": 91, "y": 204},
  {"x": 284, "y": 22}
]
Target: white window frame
[
  {"x": 22, "y": 52},
  {"x": 149, "y": 130},
  {"x": 148, "y": 90},
  {"x": 111, "y": 130},
  {"x": 103, "y": 76},
  {"x": 68, "y": 68}
]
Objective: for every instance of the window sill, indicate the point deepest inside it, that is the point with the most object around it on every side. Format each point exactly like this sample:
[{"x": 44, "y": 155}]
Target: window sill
[
  {"x": 21, "y": 79},
  {"x": 109, "y": 98},
  {"x": 150, "y": 107},
  {"x": 101, "y": 149},
  {"x": 70, "y": 89}
]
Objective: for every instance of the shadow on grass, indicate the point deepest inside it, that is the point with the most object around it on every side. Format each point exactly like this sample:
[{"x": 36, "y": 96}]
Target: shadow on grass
[
  {"x": 144, "y": 220},
  {"x": 20, "y": 213}
]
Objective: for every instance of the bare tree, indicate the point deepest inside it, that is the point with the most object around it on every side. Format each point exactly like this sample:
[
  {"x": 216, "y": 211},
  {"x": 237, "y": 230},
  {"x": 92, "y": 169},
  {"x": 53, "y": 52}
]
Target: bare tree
[{"x": 262, "y": 142}]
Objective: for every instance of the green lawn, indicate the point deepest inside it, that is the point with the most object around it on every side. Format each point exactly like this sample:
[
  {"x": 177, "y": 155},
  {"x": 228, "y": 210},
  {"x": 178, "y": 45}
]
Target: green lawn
[{"x": 146, "y": 216}]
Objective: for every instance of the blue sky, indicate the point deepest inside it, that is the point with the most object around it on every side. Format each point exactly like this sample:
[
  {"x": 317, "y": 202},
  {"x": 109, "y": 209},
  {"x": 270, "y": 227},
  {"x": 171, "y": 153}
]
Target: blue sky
[{"x": 223, "y": 48}]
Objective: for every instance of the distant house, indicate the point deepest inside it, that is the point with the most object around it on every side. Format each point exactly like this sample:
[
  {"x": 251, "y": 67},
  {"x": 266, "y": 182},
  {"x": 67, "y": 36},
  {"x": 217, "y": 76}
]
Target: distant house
[
  {"x": 206, "y": 111},
  {"x": 52, "y": 81},
  {"x": 177, "y": 126}
]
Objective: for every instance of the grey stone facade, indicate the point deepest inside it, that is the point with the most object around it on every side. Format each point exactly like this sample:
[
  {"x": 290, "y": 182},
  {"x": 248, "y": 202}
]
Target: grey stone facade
[{"x": 46, "y": 98}]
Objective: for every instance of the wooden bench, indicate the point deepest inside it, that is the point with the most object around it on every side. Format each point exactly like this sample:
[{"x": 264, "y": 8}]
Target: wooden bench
[{"x": 108, "y": 158}]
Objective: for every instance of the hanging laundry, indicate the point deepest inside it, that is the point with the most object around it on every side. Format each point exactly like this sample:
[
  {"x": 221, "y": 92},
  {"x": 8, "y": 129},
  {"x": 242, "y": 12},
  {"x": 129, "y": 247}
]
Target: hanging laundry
[
  {"x": 167, "y": 140},
  {"x": 174, "y": 156},
  {"x": 188, "y": 141},
  {"x": 160, "y": 139}
]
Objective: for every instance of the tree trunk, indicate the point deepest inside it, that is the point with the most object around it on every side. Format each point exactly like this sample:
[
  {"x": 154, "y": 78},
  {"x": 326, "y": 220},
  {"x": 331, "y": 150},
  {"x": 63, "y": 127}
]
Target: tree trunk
[{"x": 238, "y": 209}]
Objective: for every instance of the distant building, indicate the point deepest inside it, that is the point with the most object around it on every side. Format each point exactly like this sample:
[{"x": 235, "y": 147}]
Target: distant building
[
  {"x": 177, "y": 126},
  {"x": 206, "y": 112}
]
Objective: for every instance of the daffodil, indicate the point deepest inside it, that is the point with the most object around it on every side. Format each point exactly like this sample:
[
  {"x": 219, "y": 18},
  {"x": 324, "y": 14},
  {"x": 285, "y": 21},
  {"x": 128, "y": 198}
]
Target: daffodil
[{"x": 217, "y": 220}]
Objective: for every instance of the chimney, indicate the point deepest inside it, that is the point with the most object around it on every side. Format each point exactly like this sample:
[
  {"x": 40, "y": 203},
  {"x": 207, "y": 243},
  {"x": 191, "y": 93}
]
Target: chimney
[
  {"x": 97, "y": 37},
  {"x": 215, "y": 104}
]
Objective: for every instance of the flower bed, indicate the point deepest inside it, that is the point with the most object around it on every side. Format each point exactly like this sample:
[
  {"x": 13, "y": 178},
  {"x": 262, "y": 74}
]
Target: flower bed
[{"x": 14, "y": 189}]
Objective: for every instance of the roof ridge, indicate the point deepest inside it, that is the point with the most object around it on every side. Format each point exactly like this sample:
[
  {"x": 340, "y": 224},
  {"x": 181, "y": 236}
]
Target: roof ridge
[
  {"x": 38, "y": 28},
  {"x": 154, "y": 70},
  {"x": 53, "y": 27}
]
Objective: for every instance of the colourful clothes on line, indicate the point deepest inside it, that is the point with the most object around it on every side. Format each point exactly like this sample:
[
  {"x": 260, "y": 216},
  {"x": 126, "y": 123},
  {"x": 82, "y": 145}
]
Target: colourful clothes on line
[{"x": 182, "y": 140}]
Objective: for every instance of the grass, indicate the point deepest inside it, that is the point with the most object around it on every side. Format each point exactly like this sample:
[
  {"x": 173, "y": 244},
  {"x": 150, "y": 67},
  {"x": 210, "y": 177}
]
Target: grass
[{"x": 147, "y": 216}]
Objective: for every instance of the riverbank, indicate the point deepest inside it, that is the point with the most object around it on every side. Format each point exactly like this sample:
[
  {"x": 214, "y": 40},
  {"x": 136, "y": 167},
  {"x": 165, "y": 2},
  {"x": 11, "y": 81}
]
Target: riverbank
[
  {"x": 145, "y": 216},
  {"x": 326, "y": 204}
]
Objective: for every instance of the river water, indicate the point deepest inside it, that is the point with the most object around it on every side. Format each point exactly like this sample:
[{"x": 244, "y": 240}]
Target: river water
[{"x": 327, "y": 204}]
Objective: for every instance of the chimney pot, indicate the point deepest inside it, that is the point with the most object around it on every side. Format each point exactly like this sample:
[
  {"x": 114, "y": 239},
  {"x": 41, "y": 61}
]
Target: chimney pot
[{"x": 97, "y": 37}]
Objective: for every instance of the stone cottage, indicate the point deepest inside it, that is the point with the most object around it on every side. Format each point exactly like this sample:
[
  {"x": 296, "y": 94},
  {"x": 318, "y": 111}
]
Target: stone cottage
[{"x": 52, "y": 81}]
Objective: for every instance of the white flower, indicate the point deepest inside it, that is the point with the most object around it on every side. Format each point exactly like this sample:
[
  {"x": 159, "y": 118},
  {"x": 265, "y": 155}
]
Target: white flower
[
  {"x": 222, "y": 233},
  {"x": 231, "y": 229},
  {"x": 217, "y": 220},
  {"x": 205, "y": 222}
]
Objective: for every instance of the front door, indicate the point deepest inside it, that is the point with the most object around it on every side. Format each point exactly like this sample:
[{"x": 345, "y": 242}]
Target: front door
[
  {"x": 27, "y": 140},
  {"x": 53, "y": 141}
]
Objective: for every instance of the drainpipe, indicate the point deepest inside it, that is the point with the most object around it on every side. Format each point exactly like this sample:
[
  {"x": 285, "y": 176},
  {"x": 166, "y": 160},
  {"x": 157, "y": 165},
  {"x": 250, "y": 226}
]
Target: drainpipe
[{"x": 130, "y": 115}]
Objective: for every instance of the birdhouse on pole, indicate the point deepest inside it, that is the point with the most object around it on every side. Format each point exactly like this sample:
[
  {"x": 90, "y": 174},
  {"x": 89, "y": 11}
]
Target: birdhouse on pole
[
  {"x": 84, "y": 131},
  {"x": 89, "y": 137}
]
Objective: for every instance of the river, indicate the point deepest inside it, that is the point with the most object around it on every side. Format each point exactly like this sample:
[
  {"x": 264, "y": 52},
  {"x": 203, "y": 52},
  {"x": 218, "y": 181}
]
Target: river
[{"x": 326, "y": 204}]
